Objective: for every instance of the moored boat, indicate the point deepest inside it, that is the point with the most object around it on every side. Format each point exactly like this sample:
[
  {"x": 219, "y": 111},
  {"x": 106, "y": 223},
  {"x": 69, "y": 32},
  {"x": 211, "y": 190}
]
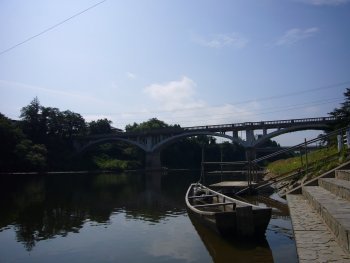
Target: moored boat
[{"x": 226, "y": 215}]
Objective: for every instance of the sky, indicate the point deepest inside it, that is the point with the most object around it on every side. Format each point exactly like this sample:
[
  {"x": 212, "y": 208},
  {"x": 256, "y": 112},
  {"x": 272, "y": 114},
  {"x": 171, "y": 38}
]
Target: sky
[{"x": 191, "y": 63}]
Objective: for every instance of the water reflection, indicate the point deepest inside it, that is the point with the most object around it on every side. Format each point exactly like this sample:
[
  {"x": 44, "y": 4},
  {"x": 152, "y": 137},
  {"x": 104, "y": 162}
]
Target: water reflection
[
  {"x": 129, "y": 217},
  {"x": 225, "y": 250},
  {"x": 278, "y": 246},
  {"x": 43, "y": 207}
]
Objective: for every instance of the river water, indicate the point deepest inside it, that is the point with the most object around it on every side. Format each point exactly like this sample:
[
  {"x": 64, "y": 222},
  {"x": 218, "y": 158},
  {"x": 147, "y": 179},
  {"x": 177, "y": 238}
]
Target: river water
[{"x": 127, "y": 217}]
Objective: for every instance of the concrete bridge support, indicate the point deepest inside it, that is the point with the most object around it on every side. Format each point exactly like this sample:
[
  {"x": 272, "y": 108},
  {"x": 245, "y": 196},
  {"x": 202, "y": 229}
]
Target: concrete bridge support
[
  {"x": 153, "y": 160},
  {"x": 250, "y": 137},
  {"x": 250, "y": 154},
  {"x": 264, "y": 132},
  {"x": 235, "y": 134}
]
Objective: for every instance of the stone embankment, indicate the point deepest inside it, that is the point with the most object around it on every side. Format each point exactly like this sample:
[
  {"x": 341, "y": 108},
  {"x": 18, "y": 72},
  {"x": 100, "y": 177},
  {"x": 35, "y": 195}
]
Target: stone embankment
[{"x": 321, "y": 219}]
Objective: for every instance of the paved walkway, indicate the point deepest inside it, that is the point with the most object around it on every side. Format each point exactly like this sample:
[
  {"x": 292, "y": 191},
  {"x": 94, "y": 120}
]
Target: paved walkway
[{"x": 314, "y": 241}]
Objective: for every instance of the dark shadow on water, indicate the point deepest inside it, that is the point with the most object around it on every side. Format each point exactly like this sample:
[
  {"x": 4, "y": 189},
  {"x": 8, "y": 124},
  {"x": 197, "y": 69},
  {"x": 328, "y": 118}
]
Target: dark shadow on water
[
  {"x": 41, "y": 207},
  {"x": 232, "y": 250}
]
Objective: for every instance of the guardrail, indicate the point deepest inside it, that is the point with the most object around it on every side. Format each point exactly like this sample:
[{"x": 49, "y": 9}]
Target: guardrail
[{"x": 263, "y": 123}]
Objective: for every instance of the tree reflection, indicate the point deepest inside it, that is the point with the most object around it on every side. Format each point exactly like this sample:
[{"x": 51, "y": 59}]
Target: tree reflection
[{"x": 47, "y": 206}]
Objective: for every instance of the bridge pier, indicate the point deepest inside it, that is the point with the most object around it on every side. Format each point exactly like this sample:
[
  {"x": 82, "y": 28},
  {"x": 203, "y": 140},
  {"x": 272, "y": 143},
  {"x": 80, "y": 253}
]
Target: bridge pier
[
  {"x": 250, "y": 136},
  {"x": 235, "y": 134},
  {"x": 153, "y": 160},
  {"x": 250, "y": 154}
]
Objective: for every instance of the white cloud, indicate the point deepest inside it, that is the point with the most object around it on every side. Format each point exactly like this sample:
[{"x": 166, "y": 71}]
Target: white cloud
[
  {"x": 130, "y": 75},
  {"x": 222, "y": 40},
  {"x": 177, "y": 104},
  {"x": 174, "y": 94},
  {"x": 295, "y": 35},
  {"x": 325, "y": 2}
]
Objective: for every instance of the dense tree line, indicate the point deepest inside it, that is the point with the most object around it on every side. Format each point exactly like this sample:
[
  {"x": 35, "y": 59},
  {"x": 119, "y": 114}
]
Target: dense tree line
[
  {"x": 17, "y": 150},
  {"x": 43, "y": 139}
]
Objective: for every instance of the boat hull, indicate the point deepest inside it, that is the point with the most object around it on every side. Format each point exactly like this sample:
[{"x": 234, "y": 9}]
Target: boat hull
[{"x": 243, "y": 220}]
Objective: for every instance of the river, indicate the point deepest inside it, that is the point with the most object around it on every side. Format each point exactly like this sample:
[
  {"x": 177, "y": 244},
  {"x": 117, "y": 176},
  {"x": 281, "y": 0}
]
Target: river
[{"x": 125, "y": 217}]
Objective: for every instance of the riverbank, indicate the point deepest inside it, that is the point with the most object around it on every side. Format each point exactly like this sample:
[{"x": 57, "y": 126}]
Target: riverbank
[
  {"x": 320, "y": 215},
  {"x": 294, "y": 172}
]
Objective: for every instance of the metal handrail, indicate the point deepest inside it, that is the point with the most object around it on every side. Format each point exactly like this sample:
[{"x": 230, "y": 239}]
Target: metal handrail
[
  {"x": 319, "y": 138},
  {"x": 298, "y": 146}
]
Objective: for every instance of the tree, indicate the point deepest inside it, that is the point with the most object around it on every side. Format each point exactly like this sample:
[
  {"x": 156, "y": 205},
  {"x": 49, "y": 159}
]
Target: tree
[
  {"x": 151, "y": 124},
  {"x": 51, "y": 129},
  {"x": 31, "y": 156},
  {"x": 342, "y": 114},
  {"x": 101, "y": 126},
  {"x": 32, "y": 125},
  {"x": 41, "y": 122},
  {"x": 73, "y": 124},
  {"x": 10, "y": 136},
  {"x": 53, "y": 120},
  {"x": 17, "y": 152}
]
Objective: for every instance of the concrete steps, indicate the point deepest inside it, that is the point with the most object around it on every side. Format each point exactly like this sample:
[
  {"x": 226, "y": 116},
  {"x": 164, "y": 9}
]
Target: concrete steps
[
  {"x": 343, "y": 174},
  {"x": 323, "y": 212},
  {"x": 334, "y": 211},
  {"x": 338, "y": 187}
]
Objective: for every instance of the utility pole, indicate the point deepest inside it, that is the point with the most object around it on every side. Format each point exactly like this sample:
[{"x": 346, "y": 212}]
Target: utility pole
[
  {"x": 306, "y": 159},
  {"x": 221, "y": 160},
  {"x": 202, "y": 166}
]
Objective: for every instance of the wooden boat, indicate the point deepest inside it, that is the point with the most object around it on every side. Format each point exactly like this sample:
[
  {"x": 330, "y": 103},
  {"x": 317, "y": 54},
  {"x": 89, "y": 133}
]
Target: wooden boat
[{"x": 226, "y": 215}]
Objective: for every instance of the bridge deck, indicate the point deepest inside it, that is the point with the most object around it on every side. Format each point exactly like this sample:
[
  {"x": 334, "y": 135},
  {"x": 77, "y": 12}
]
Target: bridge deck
[{"x": 276, "y": 124}]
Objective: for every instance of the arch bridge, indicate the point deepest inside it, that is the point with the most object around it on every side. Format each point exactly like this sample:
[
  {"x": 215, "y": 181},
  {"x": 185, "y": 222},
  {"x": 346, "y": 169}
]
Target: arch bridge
[{"x": 254, "y": 134}]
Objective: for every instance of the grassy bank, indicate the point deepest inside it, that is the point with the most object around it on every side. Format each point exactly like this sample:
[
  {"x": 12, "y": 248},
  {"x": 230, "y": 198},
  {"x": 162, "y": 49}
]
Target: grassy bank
[{"x": 318, "y": 162}]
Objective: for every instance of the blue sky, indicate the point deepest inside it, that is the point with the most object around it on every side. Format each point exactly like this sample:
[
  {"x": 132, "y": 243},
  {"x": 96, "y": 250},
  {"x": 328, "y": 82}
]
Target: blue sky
[{"x": 186, "y": 62}]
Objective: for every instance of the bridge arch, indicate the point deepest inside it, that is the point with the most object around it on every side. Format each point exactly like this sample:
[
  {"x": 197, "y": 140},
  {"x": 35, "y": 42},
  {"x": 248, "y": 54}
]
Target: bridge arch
[
  {"x": 161, "y": 145},
  {"x": 167, "y": 141},
  {"x": 288, "y": 130},
  {"x": 105, "y": 140}
]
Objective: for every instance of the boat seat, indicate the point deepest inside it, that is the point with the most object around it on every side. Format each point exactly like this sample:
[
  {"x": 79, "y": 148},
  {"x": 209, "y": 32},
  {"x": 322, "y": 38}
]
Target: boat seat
[
  {"x": 217, "y": 204},
  {"x": 201, "y": 196}
]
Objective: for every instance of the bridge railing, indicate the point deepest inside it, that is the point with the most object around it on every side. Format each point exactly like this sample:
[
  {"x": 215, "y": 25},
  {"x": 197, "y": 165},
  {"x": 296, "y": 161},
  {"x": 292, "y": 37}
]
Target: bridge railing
[{"x": 262, "y": 123}]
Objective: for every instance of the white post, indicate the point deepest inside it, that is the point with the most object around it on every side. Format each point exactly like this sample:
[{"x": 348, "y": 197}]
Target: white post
[{"x": 340, "y": 143}]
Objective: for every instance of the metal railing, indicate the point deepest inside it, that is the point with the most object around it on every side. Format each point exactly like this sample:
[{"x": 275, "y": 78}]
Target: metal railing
[
  {"x": 308, "y": 167},
  {"x": 263, "y": 123}
]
